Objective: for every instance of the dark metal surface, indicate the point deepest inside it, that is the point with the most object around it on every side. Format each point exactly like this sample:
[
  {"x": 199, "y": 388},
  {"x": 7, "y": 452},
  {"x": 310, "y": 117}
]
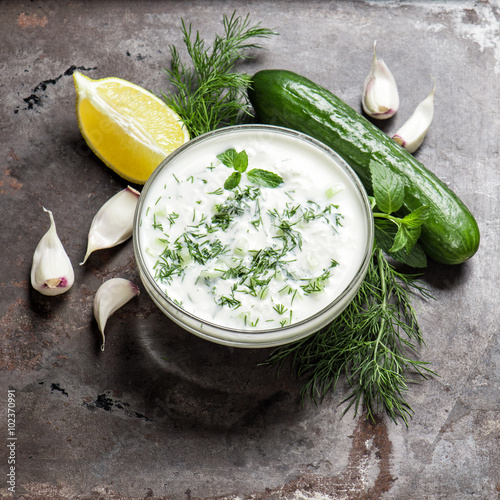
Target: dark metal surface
[{"x": 162, "y": 413}]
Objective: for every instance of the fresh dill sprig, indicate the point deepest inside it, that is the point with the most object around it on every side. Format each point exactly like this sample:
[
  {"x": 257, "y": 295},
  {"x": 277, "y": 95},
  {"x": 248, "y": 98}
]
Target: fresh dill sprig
[
  {"x": 234, "y": 206},
  {"x": 280, "y": 309},
  {"x": 284, "y": 226},
  {"x": 168, "y": 265},
  {"x": 316, "y": 285},
  {"x": 210, "y": 93},
  {"x": 204, "y": 251},
  {"x": 156, "y": 224},
  {"x": 372, "y": 343},
  {"x": 171, "y": 218},
  {"x": 231, "y": 302}
]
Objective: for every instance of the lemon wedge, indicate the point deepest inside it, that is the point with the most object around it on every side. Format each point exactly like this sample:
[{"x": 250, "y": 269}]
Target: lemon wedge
[{"x": 127, "y": 127}]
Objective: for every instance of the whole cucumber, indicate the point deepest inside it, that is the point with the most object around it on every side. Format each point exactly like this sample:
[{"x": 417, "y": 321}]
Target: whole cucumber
[{"x": 280, "y": 97}]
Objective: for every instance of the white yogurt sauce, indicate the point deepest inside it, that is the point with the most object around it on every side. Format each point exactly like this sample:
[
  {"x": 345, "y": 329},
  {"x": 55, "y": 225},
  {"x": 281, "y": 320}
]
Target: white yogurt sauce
[{"x": 253, "y": 257}]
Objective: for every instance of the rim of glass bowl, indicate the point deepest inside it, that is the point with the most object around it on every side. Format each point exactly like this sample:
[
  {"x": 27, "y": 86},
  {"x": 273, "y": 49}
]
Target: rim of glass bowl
[{"x": 258, "y": 337}]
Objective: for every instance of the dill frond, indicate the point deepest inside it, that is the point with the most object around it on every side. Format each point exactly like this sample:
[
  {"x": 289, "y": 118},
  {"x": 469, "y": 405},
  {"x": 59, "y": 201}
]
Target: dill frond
[
  {"x": 209, "y": 93},
  {"x": 372, "y": 343}
]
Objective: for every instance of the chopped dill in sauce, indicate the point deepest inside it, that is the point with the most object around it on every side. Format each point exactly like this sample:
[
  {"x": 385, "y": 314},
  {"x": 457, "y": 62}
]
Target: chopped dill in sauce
[
  {"x": 253, "y": 233},
  {"x": 252, "y": 241}
]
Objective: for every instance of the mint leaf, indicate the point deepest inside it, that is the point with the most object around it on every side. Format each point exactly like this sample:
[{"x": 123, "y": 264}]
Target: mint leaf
[
  {"x": 409, "y": 229},
  {"x": 232, "y": 159},
  {"x": 385, "y": 232},
  {"x": 241, "y": 161},
  {"x": 264, "y": 178},
  {"x": 388, "y": 188},
  {"x": 417, "y": 217},
  {"x": 233, "y": 180},
  {"x": 405, "y": 238},
  {"x": 227, "y": 158}
]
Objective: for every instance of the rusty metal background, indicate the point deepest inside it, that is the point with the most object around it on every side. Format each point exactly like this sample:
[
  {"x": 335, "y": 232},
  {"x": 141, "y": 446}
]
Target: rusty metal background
[{"x": 162, "y": 414}]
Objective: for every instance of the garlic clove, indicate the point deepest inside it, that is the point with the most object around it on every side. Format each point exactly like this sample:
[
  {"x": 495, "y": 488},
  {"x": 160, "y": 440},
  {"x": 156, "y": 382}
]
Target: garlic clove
[
  {"x": 51, "y": 270},
  {"x": 113, "y": 223},
  {"x": 412, "y": 133},
  {"x": 110, "y": 296},
  {"x": 380, "y": 93}
]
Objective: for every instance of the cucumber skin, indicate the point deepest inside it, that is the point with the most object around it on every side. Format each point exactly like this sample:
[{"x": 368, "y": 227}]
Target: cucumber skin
[{"x": 282, "y": 98}]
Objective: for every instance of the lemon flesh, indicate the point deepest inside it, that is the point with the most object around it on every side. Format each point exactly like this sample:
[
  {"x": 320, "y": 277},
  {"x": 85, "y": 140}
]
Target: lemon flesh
[{"x": 127, "y": 127}]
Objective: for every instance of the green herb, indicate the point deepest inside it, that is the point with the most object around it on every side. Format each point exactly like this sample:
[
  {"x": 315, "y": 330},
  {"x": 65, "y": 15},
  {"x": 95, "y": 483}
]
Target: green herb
[
  {"x": 292, "y": 215},
  {"x": 258, "y": 220},
  {"x": 168, "y": 265},
  {"x": 204, "y": 251},
  {"x": 372, "y": 343},
  {"x": 229, "y": 301},
  {"x": 388, "y": 189},
  {"x": 232, "y": 159},
  {"x": 239, "y": 162},
  {"x": 156, "y": 224},
  {"x": 264, "y": 178},
  {"x": 289, "y": 291},
  {"x": 388, "y": 192},
  {"x": 171, "y": 218},
  {"x": 284, "y": 225},
  {"x": 210, "y": 94},
  {"x": 316, "y": 285},
  {"x": 385, "y": 234},
  {"x": 280, "y": 309},
  {"x": 233, "y": 180},
  {"x": 235, "y": 205}
]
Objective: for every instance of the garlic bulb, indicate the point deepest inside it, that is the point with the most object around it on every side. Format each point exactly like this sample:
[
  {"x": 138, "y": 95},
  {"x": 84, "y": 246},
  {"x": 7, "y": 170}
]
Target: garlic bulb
[
  {"x": 110, "y": 296},
  {"x": 412, "y": 133},
  {"x": 51, "y": 271},
  {"x": 380, "y": 93},
  {"x": 113, "y": 222}
]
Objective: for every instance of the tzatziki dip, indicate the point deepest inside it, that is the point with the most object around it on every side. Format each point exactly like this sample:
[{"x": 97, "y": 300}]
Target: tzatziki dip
[{"x": 253, "y": 231}]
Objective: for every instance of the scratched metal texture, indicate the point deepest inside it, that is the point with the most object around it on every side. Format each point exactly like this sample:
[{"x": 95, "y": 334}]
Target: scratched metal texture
[{"x": 163, "y": 414}]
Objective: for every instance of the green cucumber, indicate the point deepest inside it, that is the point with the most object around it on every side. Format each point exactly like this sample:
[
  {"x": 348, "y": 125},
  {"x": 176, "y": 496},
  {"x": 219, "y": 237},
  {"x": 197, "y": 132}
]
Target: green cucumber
[{"x": 279, "y": 97}]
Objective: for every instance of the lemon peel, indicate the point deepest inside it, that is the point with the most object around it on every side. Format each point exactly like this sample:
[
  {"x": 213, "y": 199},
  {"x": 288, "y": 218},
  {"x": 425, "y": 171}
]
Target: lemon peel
[{"x": 126, "y": 126}]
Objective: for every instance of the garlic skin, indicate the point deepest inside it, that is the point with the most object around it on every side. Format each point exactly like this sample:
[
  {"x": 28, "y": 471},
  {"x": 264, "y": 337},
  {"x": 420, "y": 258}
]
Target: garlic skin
[
  {"x": 380, "y": 93},
  {"x": 51, "y": 271},
  {"x": 412, "y": 133},
  {"x": 110, "y": 296},
  {"x": 113, "y": 223}
]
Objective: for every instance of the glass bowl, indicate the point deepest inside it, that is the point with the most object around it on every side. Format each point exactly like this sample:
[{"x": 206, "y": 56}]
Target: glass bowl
[{"x": 266, "y": 136}]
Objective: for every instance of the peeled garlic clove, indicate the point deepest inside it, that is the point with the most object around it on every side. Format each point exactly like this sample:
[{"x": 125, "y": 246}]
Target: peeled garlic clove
[
  {"x": 110, "y": 296},
  {"x": 51, "y": 271},
  {"x": 380, "y": 93},
  {"x": 413, "y": 132},
  {"x": 113, "y": 223}
]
